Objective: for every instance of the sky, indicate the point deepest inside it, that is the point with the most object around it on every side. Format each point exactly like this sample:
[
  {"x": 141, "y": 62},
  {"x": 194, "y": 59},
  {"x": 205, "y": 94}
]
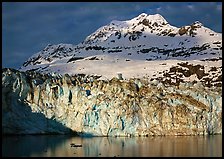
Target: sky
[{"x": 28, "y": 27}]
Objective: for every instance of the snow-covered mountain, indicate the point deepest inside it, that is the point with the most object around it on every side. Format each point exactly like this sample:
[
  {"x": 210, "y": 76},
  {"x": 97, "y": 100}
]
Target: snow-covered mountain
[
  {"x": 145, "y": 46},
  {"x": 168, "y": 81}
]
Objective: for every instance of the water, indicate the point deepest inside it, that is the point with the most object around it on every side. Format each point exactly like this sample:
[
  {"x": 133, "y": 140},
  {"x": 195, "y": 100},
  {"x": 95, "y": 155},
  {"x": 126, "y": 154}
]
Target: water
[{"x": 59, "y": 145}]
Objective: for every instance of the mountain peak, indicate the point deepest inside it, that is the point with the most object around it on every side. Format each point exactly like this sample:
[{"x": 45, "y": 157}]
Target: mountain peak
[
  {"x": 142, "y": 15},
  {"x": 151, "y": 18},
  {"x": 197, "y": 23},
  {"x": 144, "y": 37}
]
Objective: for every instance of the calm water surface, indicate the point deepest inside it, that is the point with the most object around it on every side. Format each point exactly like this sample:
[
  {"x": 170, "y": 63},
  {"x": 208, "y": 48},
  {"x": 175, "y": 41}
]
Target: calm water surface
[{"x": 59, "y": 145}]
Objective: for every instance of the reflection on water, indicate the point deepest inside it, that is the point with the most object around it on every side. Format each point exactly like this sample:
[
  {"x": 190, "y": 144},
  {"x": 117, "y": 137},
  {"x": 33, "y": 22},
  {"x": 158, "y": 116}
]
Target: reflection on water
[{"x": 59, "y": 145}]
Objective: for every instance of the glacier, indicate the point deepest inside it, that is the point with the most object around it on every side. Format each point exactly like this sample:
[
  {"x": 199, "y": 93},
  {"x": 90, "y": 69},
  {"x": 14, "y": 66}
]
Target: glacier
[{"x": 34, "y": 103}]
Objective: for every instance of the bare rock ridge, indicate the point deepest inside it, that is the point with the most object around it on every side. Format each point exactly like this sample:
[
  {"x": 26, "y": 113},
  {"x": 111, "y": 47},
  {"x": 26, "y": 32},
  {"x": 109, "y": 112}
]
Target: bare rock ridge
[
  {"x": 137, "y": 77},
  {"x": 34, "y": 103}
]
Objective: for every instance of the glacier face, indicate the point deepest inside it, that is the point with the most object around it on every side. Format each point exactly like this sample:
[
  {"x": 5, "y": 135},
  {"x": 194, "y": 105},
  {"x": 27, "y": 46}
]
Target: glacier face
[{"x": 34, "y": 103}]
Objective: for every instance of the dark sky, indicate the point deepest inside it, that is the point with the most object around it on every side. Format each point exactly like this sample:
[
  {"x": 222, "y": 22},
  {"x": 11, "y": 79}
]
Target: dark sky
[{"x": 28, "y": 27}]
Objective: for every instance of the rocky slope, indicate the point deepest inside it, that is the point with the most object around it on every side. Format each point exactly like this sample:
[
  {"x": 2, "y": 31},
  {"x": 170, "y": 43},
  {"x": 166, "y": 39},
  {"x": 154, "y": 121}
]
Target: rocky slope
[{"x": 34, "y": 103}]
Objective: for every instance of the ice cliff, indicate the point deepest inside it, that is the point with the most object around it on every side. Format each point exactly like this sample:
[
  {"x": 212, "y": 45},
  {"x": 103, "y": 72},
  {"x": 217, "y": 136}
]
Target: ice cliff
[{"x": 34, "y": 103}]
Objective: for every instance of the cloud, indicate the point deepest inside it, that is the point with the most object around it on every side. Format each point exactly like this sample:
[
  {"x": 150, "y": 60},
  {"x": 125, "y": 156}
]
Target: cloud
[
  {"x": 219, "y": 7},
  {"x": 191, "y": 7}
]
